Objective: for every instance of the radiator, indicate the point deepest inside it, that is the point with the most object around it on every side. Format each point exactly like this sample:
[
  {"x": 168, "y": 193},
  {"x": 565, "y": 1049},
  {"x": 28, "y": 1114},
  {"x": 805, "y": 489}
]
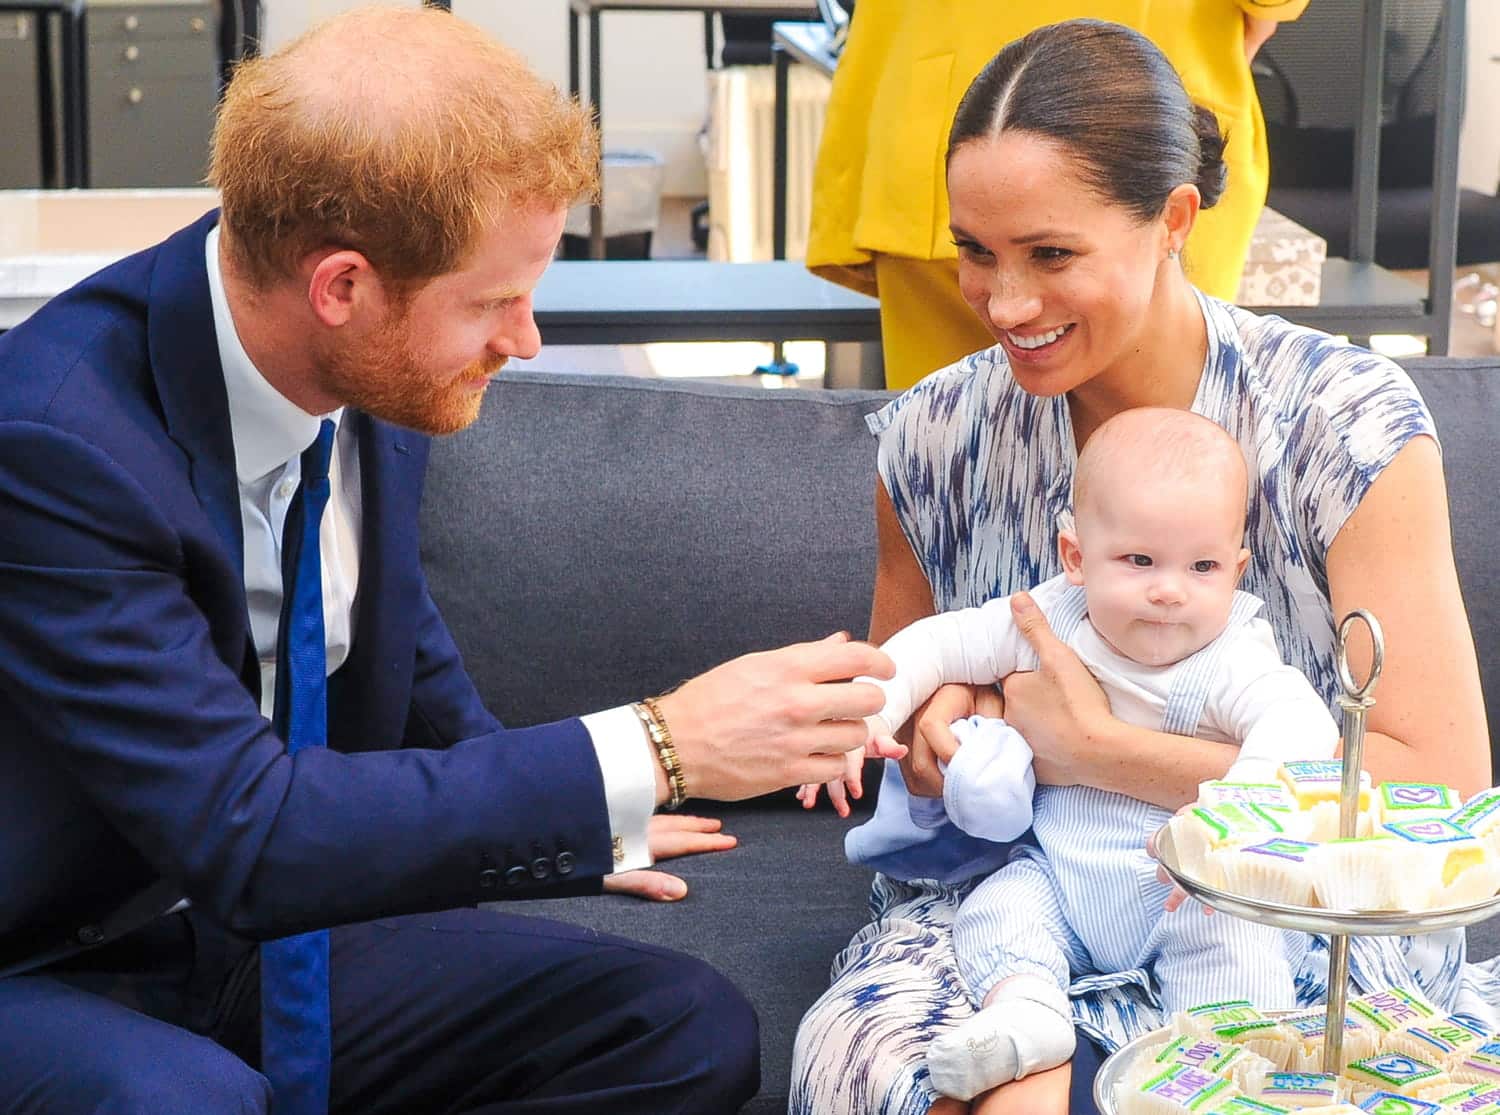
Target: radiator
[{"x": 740, "y": 158}]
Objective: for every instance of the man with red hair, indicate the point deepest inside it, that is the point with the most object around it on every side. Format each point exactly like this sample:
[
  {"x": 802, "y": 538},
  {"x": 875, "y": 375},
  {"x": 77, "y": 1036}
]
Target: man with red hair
[{"x": 182, "y": 635}]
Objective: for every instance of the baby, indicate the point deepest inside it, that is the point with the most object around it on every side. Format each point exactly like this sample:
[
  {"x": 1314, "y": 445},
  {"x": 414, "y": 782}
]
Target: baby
[{"x": 1147, "y": 600}]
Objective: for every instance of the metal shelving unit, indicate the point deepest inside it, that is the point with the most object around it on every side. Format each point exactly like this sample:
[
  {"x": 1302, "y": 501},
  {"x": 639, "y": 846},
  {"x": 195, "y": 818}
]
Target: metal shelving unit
[
  {"x": 594, "y": 9},
  {"x": 1435, "y": 310}
]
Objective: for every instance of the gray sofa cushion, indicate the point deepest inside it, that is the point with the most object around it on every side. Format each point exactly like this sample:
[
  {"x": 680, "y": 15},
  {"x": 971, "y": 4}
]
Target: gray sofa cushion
[
  {"x": 771, "y": 915},
  {"x": 1464, "y": 397},
  {"x": 594, "y": 539}
]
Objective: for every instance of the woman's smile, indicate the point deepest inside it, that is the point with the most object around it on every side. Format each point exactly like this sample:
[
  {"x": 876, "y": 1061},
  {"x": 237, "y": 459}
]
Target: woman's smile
[{"x": 1036, "y": 347}]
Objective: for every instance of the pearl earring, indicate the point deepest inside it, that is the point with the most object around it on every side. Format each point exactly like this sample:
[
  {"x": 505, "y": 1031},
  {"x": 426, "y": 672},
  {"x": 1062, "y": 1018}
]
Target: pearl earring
[{"x": 1173, "y": 253}]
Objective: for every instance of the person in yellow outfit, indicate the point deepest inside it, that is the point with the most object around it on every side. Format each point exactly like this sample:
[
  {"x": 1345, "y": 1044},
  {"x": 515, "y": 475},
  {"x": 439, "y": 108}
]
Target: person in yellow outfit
[{"x": 880, "y": 210}]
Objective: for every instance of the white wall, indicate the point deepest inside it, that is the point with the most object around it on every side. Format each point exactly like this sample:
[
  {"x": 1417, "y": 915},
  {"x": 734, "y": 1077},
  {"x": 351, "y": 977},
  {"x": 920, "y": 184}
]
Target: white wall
[
  {"x": 655, "y": 91},
  {"x": 1479, "y": 147}
]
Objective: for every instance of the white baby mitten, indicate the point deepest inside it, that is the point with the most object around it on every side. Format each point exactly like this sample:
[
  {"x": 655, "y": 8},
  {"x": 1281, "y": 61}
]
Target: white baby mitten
[
  {"x": 988, "y": 787},
  {"x": 1025, "y": 1028}
]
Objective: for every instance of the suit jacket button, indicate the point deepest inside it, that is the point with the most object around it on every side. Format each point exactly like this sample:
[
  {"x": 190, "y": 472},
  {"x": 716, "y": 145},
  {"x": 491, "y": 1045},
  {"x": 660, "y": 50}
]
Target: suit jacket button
[
  {"x": 89, "y": 935},
  {"x": 565, "y": 862},
  {"x": 517, "y": 875},
  {"x": 489, "y": 878},
  {"x": 541, "y": 867}
]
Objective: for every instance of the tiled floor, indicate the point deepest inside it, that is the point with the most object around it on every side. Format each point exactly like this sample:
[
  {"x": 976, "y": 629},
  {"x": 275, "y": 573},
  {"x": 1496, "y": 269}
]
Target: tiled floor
[{"x": 673, "y": 240}]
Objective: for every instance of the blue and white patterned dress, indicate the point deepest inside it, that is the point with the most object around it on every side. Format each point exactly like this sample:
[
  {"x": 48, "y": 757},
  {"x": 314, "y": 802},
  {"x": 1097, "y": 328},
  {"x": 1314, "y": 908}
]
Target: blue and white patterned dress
[{"x": 979, "y": 472}]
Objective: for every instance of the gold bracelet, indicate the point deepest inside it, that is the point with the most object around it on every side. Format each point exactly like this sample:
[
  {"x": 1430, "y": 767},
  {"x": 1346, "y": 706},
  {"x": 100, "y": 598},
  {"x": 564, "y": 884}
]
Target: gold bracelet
[{"x": 660, "y": 736}]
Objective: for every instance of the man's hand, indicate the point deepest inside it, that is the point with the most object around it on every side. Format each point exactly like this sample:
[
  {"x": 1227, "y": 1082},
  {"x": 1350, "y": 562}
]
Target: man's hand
[
  {"x": 669, "y": 835},
  {"x": 775, "y": 719},
  {"x": 840, "y": 790},
  {"x": 932, "y": 740},
  {"x": 1059, "y": 708}
]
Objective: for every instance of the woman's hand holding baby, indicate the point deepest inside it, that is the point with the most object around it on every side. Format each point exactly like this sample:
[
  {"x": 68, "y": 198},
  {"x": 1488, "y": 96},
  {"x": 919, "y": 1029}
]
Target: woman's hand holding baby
[
  {"x": 1178, "y": 895},
  {"x": 1058, "y": 708},
  {"x": 929, "y": 735}
]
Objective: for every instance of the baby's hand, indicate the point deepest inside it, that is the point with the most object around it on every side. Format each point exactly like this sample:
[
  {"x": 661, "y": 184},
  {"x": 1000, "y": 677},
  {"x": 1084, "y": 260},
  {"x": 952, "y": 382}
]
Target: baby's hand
[
  {"x": 1178, "y": 895},
  {"x": 883, "y": 745},
  {"x": 840, "y": 790}
]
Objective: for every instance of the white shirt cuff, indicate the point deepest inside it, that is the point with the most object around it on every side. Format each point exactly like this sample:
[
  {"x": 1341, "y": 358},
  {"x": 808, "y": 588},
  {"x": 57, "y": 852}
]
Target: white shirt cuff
[{"x": 628, "y": 766}]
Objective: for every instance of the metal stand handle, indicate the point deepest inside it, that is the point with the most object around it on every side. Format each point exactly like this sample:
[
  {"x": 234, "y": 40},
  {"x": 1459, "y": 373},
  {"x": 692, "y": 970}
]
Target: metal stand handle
[{"x": 1355, "y": 702}]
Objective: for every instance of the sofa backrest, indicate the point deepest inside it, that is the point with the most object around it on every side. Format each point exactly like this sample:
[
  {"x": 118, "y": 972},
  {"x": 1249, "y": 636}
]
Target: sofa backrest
[
  {"x": 595, "y": 538},
  {"x": 1464, "y": 397}
]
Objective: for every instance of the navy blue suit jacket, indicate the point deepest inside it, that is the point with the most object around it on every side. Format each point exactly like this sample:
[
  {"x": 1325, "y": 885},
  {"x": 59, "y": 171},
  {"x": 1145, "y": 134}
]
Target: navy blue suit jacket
[{"x": 131, "y": 744}]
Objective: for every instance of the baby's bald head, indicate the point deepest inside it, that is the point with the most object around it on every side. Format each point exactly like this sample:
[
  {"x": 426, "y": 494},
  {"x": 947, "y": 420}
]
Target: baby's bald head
[
  {"x": 1157, "y": 541},
  {"x": 1161, "y": 447}
]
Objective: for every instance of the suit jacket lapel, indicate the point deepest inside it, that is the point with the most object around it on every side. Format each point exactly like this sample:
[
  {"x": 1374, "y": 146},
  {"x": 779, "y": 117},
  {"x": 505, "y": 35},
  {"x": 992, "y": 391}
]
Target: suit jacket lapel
[
  {"x": 184, "y": 354},
  {"x": 190, "y": 384}
]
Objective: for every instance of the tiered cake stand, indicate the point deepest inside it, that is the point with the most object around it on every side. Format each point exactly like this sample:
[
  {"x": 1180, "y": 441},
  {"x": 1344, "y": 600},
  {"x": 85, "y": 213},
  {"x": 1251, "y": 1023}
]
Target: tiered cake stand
[{"x": 1338, "y": 925}]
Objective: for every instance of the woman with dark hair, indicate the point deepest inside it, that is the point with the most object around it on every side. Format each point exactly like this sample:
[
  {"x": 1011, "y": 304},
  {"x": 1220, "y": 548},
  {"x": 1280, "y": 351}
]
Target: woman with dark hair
[
  {"x": 879, "y": 217},
  {"x": 1076, "y": 168}
]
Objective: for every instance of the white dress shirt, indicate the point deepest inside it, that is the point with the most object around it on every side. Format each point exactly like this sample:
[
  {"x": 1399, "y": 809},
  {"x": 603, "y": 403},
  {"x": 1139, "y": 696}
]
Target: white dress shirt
[{"x": 270, "y": 433}]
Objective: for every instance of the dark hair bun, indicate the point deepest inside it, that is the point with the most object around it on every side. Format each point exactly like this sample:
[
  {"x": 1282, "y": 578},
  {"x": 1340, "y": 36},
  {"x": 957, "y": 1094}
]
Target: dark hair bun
[
  {"x": 1133, "y": 146},
  {"x": 1212, "y": 173}
]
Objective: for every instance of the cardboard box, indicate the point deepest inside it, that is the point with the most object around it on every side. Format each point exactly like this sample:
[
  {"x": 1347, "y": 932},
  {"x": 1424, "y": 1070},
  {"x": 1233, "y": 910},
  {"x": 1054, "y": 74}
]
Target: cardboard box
[
  {"x": 33, "y": 222},
  {"x": 632, "y": 195},
  {"x": 51, "y": 239},
  {"x": 1285, "y": 264}
]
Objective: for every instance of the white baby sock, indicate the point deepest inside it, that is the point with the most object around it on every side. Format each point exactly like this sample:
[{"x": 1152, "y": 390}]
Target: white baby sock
[{"x": 1026, "y": 1028}]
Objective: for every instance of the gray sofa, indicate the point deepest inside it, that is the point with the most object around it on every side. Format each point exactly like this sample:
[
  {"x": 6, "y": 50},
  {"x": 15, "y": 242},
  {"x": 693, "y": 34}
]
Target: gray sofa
[{"x": 593, "y": 539}]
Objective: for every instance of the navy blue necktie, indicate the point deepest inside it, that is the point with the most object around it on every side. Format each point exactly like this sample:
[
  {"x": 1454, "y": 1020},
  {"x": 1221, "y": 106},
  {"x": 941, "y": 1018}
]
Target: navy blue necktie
[{"x": 296, "y": 1038}]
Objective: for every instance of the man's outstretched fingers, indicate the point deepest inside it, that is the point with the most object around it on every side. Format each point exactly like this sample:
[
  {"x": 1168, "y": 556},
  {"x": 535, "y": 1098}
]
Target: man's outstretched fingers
[
  {"x": 654, "y": 886},
  {"x": 853, "y": 700},
  {"x": 835, "y": 659},
  {"x": 837, "y": 737},
  {"x": 816, "y": 768},
  {"x": 679, "y": 834}
]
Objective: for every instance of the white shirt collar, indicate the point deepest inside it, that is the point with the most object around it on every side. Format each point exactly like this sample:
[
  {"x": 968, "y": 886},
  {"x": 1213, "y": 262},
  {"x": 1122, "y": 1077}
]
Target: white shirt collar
[{"x": 268, "y": 429}]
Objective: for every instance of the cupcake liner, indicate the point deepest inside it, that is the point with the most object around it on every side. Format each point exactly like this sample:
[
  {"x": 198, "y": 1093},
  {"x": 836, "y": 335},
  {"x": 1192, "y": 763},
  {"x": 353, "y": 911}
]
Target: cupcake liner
[
  {"x": 1273, "y": 871},
  {"x": 1474, "y": 885},
  {"x": 1322, "y": 821},
  {"x": 1372, "y": 875},
  {"x": 1360, "y": 1039}
]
